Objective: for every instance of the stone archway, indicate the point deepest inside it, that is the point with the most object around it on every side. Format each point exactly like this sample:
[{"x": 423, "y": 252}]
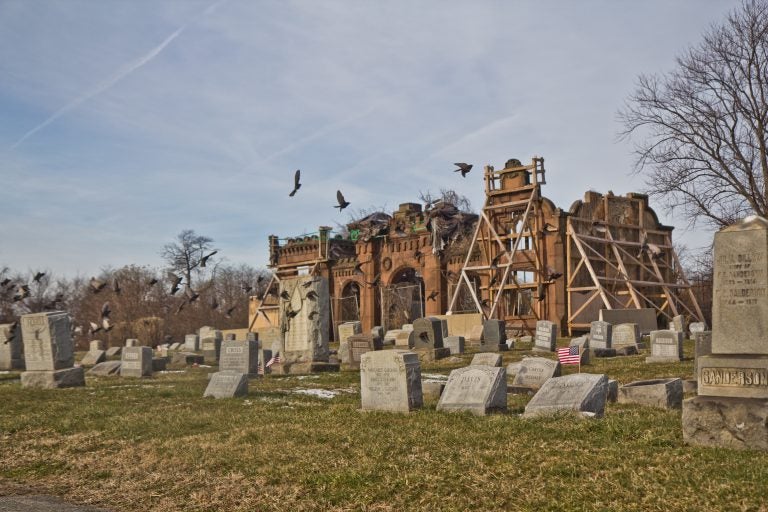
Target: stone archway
[{"x": 402, "y": 300}]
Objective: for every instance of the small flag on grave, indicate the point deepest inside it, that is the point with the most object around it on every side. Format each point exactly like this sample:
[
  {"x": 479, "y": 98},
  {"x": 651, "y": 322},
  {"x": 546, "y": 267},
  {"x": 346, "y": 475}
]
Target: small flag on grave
[
  {"x": 275, "y": 359},
  {"x": 569, "y": 355}
]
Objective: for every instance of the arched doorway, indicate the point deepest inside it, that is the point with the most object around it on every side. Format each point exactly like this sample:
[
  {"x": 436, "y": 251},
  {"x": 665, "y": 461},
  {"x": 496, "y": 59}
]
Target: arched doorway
[
  {"x": 347, "y": 307},
  {"x": 402, "y": 301}
]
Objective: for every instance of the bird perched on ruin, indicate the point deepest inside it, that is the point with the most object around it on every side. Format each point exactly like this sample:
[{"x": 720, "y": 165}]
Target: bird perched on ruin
[
  {"x": 97, "y": 285},
  {"x": 342, "y": 202},
  {"x": 312, "y": 295},
  {"x": 204, "y": 259},
  {"x": 38, "y": 277},
  {"x": 463, "y": 168},
  {"x": 433, "y": 295},
  {"x": 296, "y": 184}
]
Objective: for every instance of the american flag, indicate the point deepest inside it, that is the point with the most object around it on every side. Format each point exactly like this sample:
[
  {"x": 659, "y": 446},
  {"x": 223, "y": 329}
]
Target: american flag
[
  {"x": 569, "y": 355},
  {"x": 275, "y": 359}
]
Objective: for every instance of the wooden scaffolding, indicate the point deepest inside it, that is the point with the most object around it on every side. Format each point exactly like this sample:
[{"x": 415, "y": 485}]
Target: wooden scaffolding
[
  {"x": 505, "y": 269},
  {"x": 619, "y": 257}
]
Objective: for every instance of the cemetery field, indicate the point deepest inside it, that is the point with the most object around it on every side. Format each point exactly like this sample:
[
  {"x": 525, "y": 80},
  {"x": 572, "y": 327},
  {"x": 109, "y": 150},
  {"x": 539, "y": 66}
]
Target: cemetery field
[{"x": 301, "y": 443}]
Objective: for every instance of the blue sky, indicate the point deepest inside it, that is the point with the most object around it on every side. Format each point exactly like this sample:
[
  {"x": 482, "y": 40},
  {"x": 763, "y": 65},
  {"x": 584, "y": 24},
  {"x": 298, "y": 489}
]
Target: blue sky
[{"x": 124, "y": 122}]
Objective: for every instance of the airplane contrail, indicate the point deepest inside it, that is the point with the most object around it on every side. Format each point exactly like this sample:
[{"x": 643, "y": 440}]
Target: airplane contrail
[{"x": 113, "y": 79}]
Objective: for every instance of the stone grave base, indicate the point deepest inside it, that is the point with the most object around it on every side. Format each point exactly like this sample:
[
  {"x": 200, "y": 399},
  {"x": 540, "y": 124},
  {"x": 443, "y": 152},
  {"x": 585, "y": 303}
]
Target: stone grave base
[
  {"x": 15, "y": 364},
  {"x": 428, "y": 355},
  {"x": 627, "y": 350},
  {"x": 66, "y": 378},
  {"x": 432, "y": 389},
  {"x": 159, "y": 364},
  {"x": 603, "y": 352},
  {"x": 726, "y": 422},
  {"x": 93, "y": 357},
  {"x": 106, "y": 368},
  {"x": 303, "y": 368},
  {"x": 186, "y": 358},
  {"x": 690, "y": 386},
  {"x": 661, "y": 393}
]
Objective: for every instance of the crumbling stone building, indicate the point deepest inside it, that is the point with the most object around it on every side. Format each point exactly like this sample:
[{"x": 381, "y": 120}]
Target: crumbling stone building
[{"x": 521, "y": 259}]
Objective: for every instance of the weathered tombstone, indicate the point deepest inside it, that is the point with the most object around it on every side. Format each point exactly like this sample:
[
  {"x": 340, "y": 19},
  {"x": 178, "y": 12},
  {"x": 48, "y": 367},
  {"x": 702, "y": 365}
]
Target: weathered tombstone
[
  {"x": 377, "y": 333},
  {"x": 533, "y": 372},
  {"x": 390, "y": 335},
  {"x": 348, "y": 329},
  {"x": 97, "y": 345},
  {"x": 305, "y": 324},
  {"x": 10, "y": 347},
  {"x": 390, "y": 380},
  {"x": 427, "y": 333},
  {"x": 583, "y": 343},
  {"x": 210, "y": 343},
  {"x": 455, "y": 344},
  {"x": 666, "y": 347},
  {"x": 475, "y": 335},
  {"x": 227, "y": 384},
  {"x": 695, "y": 327},
  {"x": 477, "y": 389},
  {"x": 136, "y": 362},
  {"x": 93, "y": 357},
  {"x": 106, "y": 368},
  {"x": 625, "y": 338},
  {"x": 731, "y": 409},
  {"x": 494, "y": 334},
  {"x": 583, "y": 393},
  {"x": 546, "y": 336},
  {"x": 444, "y": 325},
  {"x": 251, "y": 336},
  {"x": 645, "y": 318},
  {"x": 131, "y": 342},
  {"x": 114, "y": 351},
  {"x": 661, "y": 393},
  {"x": 486, "y": 359},
  {"x": 678, "y": 324},
  {"x": 402, "y": 338},
  {"x": 600, "y": 334},
  {"x": 703, "y": 341},
  {"x": 240, "y": 357},
  {"x": 192, "y": 342},
  {"x": 357, "y": 345},
  {"x": 49, "y": 352},
  {"x": 613, "y": 391}
]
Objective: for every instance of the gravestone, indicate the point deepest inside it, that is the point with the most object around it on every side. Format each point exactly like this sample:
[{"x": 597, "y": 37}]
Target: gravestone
[
  {"x": 240, "y": 357},
  {"x": 357, "y": 345},
  {"x": 390, "y": 380},
  {"x": 131, "y": 342},
  {"x": 546, "y": 336},
  {"x": 227, "y": 384},
  {"x": 105, "y": 369},
  {"x": 695, "y": 327},
  {"x": 455, "y": 344},
  {"x": 97, "y": 345},
  {"x": 645, "y": 318},
  {"x": 678, "y": 324},
  {"x": 93, "y": 357},
  {"x": 403, "y": 338},
  {"x": 486, "y": 359},
  {"x": 583, "y": 343},
  {"x": 304, "y": 323},
  {"x": 210, "y": 343},
  {"x": 494, "y": 333},
  {"x": 444, "y": 326},
  {"x": 475, "y": 335},
  {"x": 478, "y": 389},
  {"x": 427, "y": 333},
  {"x": 49, "y": 351},
  {"x": 731, "y": 409},
  {"x": 251, "y": 336},
  {"x": 703, "y": 342},
  {"x": 660, "y": 393},
  {"x": 192, "y": 342},
  {"x": 390, "y": 335},
  {"x": 533, "y": 372},
  {"x": 114, "y": 351},
  {"x": 666, "y": 347},
  {"x": 583, "y": 393},
  {"x": 136, "y": 362},
  {"x": 624, "y": 339},
  {"x": 348, "y": 329},
  {"x": 407, "y": 327},
  {"x": 377, "y": 333},
  {"x": 10, "y": 347},
  {"x": 600, "y": 334},
  {"x": 175, "y": 346}
]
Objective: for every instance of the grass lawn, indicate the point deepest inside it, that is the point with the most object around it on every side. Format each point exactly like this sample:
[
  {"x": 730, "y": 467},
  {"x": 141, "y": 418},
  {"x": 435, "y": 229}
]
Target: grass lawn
[{"x": 156, "y": 444}]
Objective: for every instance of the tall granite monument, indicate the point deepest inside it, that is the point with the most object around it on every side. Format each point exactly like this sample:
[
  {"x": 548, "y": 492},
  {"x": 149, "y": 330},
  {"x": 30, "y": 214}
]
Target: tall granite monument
[{"x": 49, "y": 351}]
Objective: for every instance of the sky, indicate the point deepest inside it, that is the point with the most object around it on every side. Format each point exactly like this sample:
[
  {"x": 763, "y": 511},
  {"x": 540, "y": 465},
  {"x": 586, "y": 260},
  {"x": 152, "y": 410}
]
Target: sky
[{"x": 123, "y": 123}]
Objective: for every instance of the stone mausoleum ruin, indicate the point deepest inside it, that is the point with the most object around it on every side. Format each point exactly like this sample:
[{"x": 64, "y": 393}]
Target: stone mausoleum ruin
[{"x": 522, "y": 259}]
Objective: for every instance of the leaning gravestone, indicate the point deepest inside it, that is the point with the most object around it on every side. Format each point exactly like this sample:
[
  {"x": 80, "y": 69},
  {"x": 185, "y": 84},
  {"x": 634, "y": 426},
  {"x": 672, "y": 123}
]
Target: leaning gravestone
[
  {"x": 114, "y": 351},
  {"x": 93, "y": 357},
  {"x": 666, "y": 347},
  {"x": 645, "y": 318},
  {"x": 477, "y": 389},
  {"x": 136, "y": 362},
  {"x": 192, "y": 342},
  {"x": 486, "y": 359},
  {"x": 49, "y": 352},
  {"x": 346, "y": 330},
  {"x": 660, "y": 393},
  {"x": 227, "y": 384},
  {"x": 546, "y": 336},
  {"x": 625, "y": 338},
  {"x": 600, "y": 334},
  {"x": 584, "y": 393},
  {"x": 10, "y": 347},
  {"x": 390, "y": 380},
  {"x": 731, "y": 409},
  {"x": 533, "y": 372},
  {"x": 678, "y": 324},
  {"x": 357, "y": 345},
  {"x": 105, "y": 369},
  {"x": 240, "y": 357}
]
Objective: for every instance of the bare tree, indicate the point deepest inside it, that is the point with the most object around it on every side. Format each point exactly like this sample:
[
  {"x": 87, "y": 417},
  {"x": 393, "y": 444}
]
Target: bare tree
[
  {"x": 186, "y": 254},
  {"x": 449, "y": 196},
  {"x": 700, "y": 131}
]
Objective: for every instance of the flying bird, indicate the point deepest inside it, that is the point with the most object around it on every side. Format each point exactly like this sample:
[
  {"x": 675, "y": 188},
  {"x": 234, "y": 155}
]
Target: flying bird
[
  {"x": 358, "y": 269},
  {"x": 229, "y": 311},
  {"x": 105, "y": 310},
  {"x": 181, "y": 306},
  {"x": 152, "y": 282},
  {"x": 463, "y": 168},
  {"x": 342, "y": 203},
  {"x": 553, "y": 274},
  {"x": 5, "y": 282},
  {"x": 106, "y": 325},
  {"x": 94, "y": 327},
  {"x": 97, "y": 285},
  {"x": 312, "y": 295},
  {"x": 285, "y": 295},
  {"x": 38, "y": 277},
  {"x": 433, "y": 295},
  {"x": 116, "y": 286},
  {"x": 204, "y": 259},
  {"x": 495, "y": 261},
  {"x": 247, "y": 288},
  {"x": 214, "y": 303},
  {"x": 175, "y": 282},
  {"x": 191, "y": 294},
  {"x": 260, "y": 278},
  {"x": 296, "y": 184}
]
